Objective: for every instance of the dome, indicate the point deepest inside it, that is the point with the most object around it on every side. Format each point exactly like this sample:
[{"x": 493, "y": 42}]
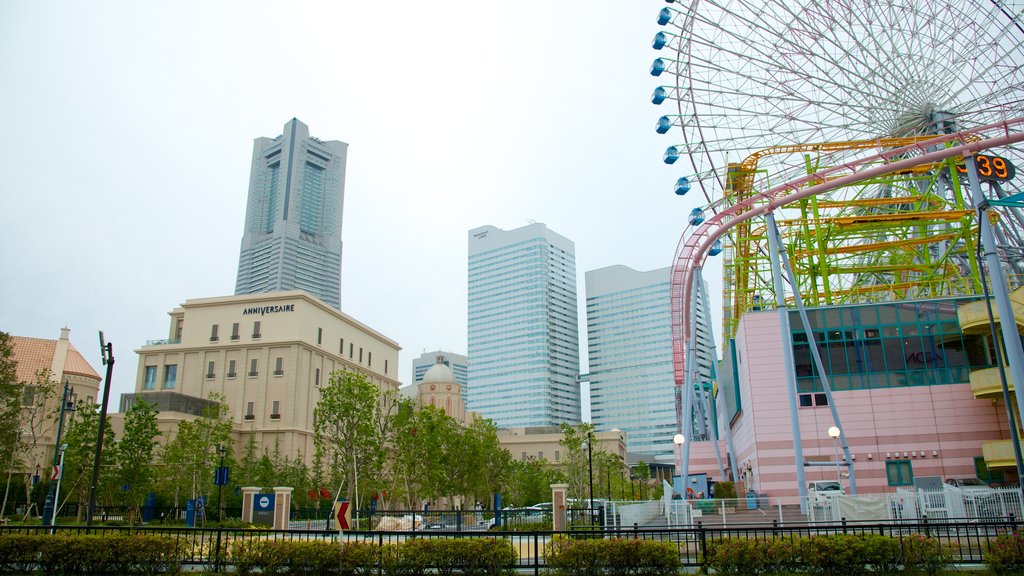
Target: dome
[{"x": 439, "y": 373}]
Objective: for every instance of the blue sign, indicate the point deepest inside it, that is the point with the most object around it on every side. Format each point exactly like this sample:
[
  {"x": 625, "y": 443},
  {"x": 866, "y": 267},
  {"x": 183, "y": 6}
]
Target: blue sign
[
  {"x": 221, "y": 476},
  {"x": 263, "y": 502}
]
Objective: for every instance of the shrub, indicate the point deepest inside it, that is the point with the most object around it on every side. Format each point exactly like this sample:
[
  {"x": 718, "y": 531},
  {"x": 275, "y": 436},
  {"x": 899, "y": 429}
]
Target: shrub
[
  {"x": 922, "y": 554},
  {"x": 734, "y": 556},
  {"x": 834, "y": 555},
  {"x": 18, "y": 552},
  {"x": 613, "y": 557},
  {"x": 1004, "y": 556},
  {"x": 881, "y": 553},
  {"x": 725, "y": 489},
  {"x": 107, "y": 554}
]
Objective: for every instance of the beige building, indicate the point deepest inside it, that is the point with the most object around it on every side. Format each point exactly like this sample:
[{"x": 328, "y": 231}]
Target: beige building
[
  {"x": 267, "y": 355},
  {"x": 440, "y": 389},
  {"x": 543, "y": 442},
  {"x": 43, "y": 361}
]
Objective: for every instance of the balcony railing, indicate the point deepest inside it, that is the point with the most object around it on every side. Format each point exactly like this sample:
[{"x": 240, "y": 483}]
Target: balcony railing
[{"x": 163, "y": 342}]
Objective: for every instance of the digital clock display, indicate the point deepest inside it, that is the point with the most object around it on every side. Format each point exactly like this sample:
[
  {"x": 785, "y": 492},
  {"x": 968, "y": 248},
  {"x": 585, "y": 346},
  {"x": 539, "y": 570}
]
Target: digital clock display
[{"x": 991, "y": 168}]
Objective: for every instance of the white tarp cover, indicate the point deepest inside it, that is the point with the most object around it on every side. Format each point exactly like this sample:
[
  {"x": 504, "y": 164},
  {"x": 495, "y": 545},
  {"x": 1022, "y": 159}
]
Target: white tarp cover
[{"x": 864, "y": 507}]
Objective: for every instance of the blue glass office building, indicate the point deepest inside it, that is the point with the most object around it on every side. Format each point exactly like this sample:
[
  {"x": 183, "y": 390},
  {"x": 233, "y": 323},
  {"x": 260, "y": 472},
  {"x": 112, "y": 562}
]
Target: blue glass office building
[
  {"x": 523, "y": 335},
  {"x": 629, "y": 343}
]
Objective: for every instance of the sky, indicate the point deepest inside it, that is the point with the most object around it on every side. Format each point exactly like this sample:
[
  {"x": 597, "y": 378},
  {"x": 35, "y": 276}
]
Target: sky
[{"x": 129, "y": 129}]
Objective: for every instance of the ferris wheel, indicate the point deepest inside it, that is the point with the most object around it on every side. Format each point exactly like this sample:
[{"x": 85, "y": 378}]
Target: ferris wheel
[
  {"x": 752, "y": 74},
  {"x": 763, "y": 92}
]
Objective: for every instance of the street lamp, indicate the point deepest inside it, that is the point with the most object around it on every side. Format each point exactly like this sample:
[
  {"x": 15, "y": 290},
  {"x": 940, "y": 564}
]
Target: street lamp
[
  {"x": 58, "y": 456},
  {"x": 222, "y": 479},
  {"x": 590, "y": 466},
  {"x": 833, "y": 433},
  {"x": 679, "y": 440}
]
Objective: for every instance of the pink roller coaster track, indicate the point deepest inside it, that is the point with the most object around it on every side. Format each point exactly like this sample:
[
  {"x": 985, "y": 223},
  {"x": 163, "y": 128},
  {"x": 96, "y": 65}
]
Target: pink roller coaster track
[{"x": 693, "y": 249}]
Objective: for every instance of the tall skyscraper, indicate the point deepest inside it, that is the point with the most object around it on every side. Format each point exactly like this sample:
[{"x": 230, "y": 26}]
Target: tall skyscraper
[
  {"x": 629, "y": 341},
  {"x": 292, "y": 237},
  {"x": 457, "y": 362},
  {"x": 523, "y": 334}
]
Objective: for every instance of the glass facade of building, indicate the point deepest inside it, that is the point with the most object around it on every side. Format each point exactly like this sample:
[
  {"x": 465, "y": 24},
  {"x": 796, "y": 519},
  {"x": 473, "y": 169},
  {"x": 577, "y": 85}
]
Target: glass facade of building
[
  {"x": 887, "y": 345},
  {"x": 523, "y": 336}
]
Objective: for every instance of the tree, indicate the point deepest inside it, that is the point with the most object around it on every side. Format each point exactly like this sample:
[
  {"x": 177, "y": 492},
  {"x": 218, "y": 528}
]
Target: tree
[
  {"x": 529, "y": 482},
  {"x": 80, "y": 437},
  {"x": 38, "y": 419},
  {"x": 10, "y": 405},
  {"x": 134, "y": 453},
  {"x": 343, "y": 430},
  {"x": 190, "y": 457},
  {"x": 576, "y": 465}
]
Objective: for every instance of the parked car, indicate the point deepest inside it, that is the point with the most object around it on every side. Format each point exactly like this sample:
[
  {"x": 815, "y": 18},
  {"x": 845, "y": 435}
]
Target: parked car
[
  {"x": 824, "y": 489},
  {"x": 968, "y": 484}
]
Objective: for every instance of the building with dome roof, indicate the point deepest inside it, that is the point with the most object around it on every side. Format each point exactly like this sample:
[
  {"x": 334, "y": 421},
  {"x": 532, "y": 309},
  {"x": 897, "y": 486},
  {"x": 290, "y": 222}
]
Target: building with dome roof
[{"x": 440, "y": 389}]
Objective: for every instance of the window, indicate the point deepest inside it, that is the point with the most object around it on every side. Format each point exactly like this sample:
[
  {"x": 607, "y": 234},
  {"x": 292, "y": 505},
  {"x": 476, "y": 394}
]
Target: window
[
  {"x": 149, "y": 381},
  {"x": 28, "y": 396},
  {"x": 319, "y": 336},
  {"x": 558, "y": 456},
  {"x": 341, "y": 346},
  {"x": 234, "y": 331},
  {"x": 812, "y": 400},
  {"x": 88, "y": 400},
  {"x": 899, "y": 473},
  {"x": 351, "y": 347},
  {"x": 252, "y": 368},
  {"x": 524, "y": 456},
  {"x": 279, "y": 366},
  {"x": 275, "y": 412},
  {"x": 209, "y": 370},
  {"x": 213, "y": 333},
  {"x": 369, "y": 359},
  {"x": 231, "y": 368},
  {"x": 360, "y": 354},
  {"x": 385, "y": 367},
  {"x": 256, "y": 330},
  {"x": 540, "y": 454},
  {"x": 170, "y": 376},
  {"x": 316, "y": 378},
  {"x": 250, "y": 411}
]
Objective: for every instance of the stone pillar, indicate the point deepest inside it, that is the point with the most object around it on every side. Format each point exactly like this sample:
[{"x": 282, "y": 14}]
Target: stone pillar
[
  {"x": 282, "y": 507},
  {"x": 558, "y": 505},
  {"x": 248, "y": 502}
]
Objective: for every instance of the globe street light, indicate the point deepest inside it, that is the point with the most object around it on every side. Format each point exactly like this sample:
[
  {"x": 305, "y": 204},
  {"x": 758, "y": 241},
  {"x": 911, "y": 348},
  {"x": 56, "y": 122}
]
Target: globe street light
[
  {"x": 679, "y": 440},
  {"x": 833, "y": 433}
]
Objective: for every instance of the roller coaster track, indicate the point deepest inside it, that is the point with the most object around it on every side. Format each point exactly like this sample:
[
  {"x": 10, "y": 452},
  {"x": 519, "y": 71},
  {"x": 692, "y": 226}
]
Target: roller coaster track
[{"x": 693, "y": 248}]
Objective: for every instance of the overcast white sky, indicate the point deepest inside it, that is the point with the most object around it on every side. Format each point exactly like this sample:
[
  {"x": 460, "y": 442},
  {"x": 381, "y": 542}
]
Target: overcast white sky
[{"x": 128, "y": 138}]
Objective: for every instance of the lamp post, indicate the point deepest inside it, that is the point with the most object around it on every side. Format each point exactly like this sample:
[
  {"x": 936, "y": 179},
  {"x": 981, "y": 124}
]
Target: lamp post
[
  {"x": 48, "y": 505},
  {"x": 107, "y": 353},
  {"x": 590, "y": 466},
  {"x": 222, "y": 479},
  {"x": 679, "y": 440},
  {"x": 833, "y": 433}
]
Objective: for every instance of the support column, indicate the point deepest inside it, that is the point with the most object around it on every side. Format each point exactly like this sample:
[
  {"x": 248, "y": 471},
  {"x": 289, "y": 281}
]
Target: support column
[
  {"x": 787, "y": 358},
  {"x": 558, "y": 505},
  {"x": 282, "y": 507},
  {"x": 825, "y": 384},
  {"x": 248, "y": 502},
  {"x": 1007, "y": 320}
]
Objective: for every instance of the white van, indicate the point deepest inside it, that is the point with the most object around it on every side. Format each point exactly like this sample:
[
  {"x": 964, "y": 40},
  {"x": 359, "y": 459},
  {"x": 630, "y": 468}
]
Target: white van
[{"x": 823, "y": 489}]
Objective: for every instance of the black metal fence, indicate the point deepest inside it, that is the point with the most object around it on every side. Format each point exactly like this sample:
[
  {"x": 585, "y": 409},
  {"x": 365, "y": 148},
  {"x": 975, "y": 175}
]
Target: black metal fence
[{"x": 204, "y": 546}]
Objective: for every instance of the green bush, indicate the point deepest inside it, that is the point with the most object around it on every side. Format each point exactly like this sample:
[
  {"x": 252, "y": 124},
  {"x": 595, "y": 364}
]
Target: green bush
[
  {"x": 611, "y": 557},
  {"x": 97, "y": 554},
  {"x": 725, "y": 489},
  {"x": 834, "y": 555},
  {"x": 1004, "y": 556},
  {"x": 18, "y": 552},
  {"x": 923, "y": 555}
]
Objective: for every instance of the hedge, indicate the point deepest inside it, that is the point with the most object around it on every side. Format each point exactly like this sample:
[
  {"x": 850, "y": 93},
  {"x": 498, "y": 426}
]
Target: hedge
[
  {"x": 89, "y": 554},
  {"x": 1004, "y": 556},
  {"x": 466, "y": 556},
  {"x": 611, "y": 557},
  {"x": 832, "y": 555}
]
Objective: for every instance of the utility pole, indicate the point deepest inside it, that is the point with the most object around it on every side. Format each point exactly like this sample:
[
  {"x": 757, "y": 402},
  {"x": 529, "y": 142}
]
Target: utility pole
[
  {"x": 107, "y": 352},
  {"x": 49, "y": 507}
]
